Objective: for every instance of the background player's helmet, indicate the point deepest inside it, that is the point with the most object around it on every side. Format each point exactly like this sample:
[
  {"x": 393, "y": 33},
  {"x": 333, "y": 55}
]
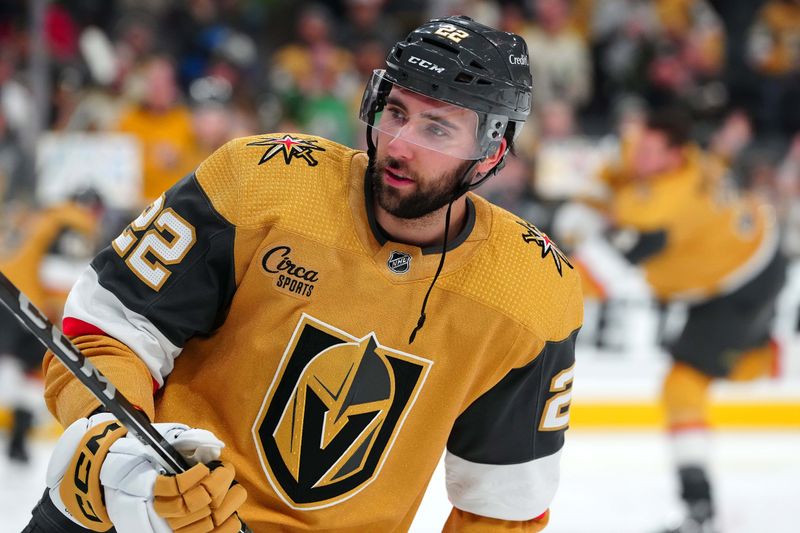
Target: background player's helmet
[
  {"x": 466, "y": 64},
  {"x": 89, "y": 198}
]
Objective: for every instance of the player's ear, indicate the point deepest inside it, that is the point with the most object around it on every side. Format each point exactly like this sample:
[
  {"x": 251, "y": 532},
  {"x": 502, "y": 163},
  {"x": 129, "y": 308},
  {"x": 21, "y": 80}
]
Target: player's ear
[{"x": 489, "y": 162}]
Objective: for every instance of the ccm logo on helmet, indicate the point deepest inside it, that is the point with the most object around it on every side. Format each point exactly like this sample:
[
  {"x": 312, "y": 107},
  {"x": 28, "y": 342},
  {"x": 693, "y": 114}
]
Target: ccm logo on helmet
[
  {"x": 414, "y": 60},
  {"x": 518, "y": 60}
]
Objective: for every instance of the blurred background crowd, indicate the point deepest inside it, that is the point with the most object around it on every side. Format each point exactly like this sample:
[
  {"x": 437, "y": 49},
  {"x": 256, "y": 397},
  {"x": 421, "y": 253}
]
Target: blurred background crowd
[
  {"x": 106, "y": 103},
  {"x": 183, "y": 76}
]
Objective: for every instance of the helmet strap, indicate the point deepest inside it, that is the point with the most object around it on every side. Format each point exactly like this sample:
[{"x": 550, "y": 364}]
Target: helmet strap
[
  {"x": 370, "y": 142},
  {"x": 463, "y": 187}
]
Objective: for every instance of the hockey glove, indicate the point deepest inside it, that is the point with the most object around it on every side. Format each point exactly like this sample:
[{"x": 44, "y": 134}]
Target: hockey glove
[
  {"x": 73, "y": 474},
  {"x": 101, "y": 477}
]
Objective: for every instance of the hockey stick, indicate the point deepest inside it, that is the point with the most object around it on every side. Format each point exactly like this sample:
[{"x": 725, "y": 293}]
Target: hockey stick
[{"x": 133, "y": 419}]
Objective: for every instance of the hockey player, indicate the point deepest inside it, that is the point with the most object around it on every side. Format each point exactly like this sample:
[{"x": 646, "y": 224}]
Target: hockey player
[
  {"x": 700, "y": 241},
  {"x": 292, "y": 297},
  {"x": 52, "y": 243}
]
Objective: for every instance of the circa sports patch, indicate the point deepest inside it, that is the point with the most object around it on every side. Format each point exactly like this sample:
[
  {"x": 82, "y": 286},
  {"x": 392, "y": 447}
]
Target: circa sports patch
[
  {"x": 290, "y": 147},
  {"x": 291, "y": 274},
  {"x": 332, "y": 413}
]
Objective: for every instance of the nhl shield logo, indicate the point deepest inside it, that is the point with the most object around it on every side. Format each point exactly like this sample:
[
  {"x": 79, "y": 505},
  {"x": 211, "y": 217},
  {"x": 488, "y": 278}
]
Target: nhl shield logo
[
  {"x": 399, "y": 262},
  {"x": 332, "y": 413}
]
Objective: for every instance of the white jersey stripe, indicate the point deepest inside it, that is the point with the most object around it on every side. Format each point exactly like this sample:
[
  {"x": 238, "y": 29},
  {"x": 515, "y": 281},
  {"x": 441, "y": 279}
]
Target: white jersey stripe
[
  {"x": 691, "y": 447},
  {"x": 507, "y": 492},
  {"x": 90, "y": 302}
]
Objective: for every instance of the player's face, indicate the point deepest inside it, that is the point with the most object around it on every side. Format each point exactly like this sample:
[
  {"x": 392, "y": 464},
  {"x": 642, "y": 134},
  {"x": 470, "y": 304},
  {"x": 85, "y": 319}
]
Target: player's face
[
  {"x": 653, "y": 155},
  {"x": 408, "y": 179}
]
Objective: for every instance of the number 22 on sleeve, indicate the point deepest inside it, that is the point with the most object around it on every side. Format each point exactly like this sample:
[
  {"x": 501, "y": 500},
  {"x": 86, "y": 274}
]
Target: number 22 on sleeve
[
  {"x": 158, "y": 238},
  {"x": 556, "y": 410}
]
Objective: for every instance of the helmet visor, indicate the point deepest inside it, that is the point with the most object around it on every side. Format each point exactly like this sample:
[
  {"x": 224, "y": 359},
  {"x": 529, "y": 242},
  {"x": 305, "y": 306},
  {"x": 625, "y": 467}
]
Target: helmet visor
[{"x": 426, "y": 122}]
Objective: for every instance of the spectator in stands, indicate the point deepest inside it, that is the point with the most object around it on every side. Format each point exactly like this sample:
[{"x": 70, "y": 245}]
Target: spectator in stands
[
  {"x": 487, "y": 11},
  {"x": 15, "y": 168},
  {"x": 557, "y": 121},
  {"x": 774, "y": 49},
  {"x": 214, "y": 121},
  {"x": 624, "y": 34},
  {"x": 365, "y": 21},
  {"x": 367, "y": 57},
  {"x": 202, "y": 32},
  {"x": 163, "y": 125},
  {"x": 511, "y": 18},
  {"x": 688, "y": 57},
  {"x": 136, "y": 41},
  {"x": 559, "y": 56},
  {"x": 16, "y": 101},
  {"x": 316, "y": 79}
]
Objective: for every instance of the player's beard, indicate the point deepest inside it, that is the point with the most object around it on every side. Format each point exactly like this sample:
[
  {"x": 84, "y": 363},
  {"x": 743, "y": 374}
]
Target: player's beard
[{"x": 429, "y": 194}]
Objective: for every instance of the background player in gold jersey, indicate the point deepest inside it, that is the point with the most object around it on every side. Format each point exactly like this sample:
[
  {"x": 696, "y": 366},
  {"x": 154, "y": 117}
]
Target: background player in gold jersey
[
  {"x": 697, "y": 240},
  {"x": 323, "y": 338},
  {"x": 41, "y": 255}
]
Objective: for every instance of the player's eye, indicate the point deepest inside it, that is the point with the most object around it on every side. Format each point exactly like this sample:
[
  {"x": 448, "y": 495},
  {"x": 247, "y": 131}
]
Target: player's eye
[
  {"x": 396, "y": 114},
  {"x": 435, "y": 130}
]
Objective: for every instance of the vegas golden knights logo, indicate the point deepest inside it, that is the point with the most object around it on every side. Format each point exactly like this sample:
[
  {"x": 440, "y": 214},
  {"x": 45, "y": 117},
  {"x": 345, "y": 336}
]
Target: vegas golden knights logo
[{"x": 332, "y": 413}]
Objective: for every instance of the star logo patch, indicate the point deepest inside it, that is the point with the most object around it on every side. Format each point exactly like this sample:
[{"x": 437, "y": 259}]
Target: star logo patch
[
  {"x": 290, "y": 147},
  {"x": 533, "y": 234}
]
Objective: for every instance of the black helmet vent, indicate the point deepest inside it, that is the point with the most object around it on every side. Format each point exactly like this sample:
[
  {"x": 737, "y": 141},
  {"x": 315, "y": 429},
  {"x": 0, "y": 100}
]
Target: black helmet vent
[
  {"x": 482, "y": 81},
  {"x": 477, "y": 65},
  {"x": 440, "y": 44},
  {"x": 464, "y": 78}
]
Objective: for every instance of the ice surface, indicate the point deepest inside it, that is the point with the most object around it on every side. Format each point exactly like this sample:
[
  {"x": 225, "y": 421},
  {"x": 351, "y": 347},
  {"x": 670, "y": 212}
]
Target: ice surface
[
  {"x": 623, "y": 483},
  {"x": 612, "y": 482}
]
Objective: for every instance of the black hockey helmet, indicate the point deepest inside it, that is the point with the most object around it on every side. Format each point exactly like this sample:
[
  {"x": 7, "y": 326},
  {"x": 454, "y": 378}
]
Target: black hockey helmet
[
  {"x": 466, "y": 64},
  {"x": 88, "y": 197}
]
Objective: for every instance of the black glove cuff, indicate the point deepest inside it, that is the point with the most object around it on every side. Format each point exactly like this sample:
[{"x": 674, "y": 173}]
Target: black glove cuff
[{"x": 48, "y": 519}]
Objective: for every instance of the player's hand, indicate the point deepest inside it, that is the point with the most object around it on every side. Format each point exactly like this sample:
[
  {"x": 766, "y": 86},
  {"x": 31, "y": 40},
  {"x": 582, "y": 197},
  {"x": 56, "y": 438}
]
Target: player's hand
[
  {"x": 73, "y": 473},
  {"x": 200, "y": 499},
  {"x": 103, "y": 477}
]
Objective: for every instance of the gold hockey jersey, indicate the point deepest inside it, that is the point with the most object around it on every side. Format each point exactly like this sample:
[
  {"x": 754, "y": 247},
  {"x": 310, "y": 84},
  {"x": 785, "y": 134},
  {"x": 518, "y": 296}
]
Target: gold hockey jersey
[
  {"x": 45, "y": 233},
  {"x": 698, "y": 236},
  {"x": 265, "y": 303}
]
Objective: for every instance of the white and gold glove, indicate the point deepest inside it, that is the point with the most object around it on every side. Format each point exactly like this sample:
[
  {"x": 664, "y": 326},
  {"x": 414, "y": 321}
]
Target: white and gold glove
[{"x": 102, "y": 478}]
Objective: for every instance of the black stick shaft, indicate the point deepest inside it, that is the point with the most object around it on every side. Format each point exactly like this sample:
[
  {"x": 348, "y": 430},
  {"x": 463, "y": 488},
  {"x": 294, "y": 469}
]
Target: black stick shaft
[
  {"x": 48, "y": 334},
  {"x": 66, "y": 352}
]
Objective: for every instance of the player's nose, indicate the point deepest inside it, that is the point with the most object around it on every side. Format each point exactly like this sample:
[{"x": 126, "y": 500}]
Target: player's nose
[{"x": 399, "y": 147}]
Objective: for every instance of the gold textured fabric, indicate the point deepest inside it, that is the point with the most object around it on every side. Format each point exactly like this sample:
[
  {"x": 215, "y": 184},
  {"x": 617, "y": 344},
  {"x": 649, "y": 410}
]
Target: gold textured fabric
[{"x": 68, "y": 399}]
